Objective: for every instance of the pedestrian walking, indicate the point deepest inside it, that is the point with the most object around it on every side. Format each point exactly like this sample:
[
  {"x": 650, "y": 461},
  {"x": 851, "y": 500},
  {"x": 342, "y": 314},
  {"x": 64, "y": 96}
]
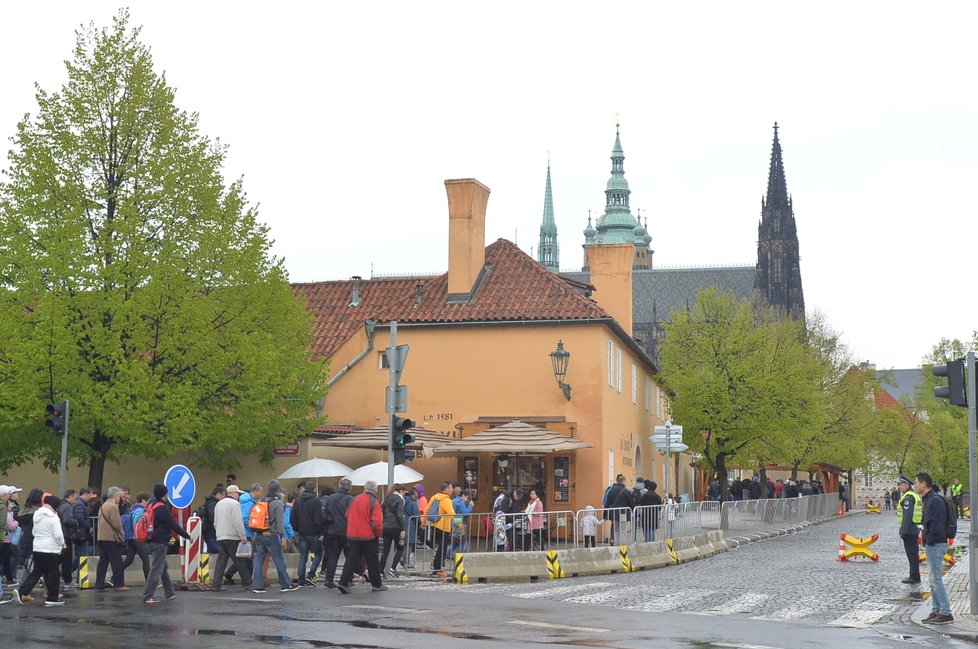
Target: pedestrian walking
[
  {"x": 621, "y": 504},
  {"x": 111, "y": 543},
  {"x": 135, "y": 548},
  {"x": 364, "y": 526},
  {"x": 164, "y": 527},
  {"x": 8, "y": 548},
  {"x": 335, "y": 542},
  {"x": 47, "y": 543},
  {"x": 230, "y": 534},
  {"x": 83, "y": 540},
  {"x": 440, "y": 515},
  {"x": 909, "y": 512},
  {"x": 206, "y": 514},
  {"x": 412, "y": 513},
  {"x": 247, "y": 500},
  {"x": 935, "y": 545},
  {"x": 307, "y": 521},
  {"x": 394, "y": 530},
  {"x": 25, "y": 521},
  {"x": 267, "y": 522},
  {"x": 68, "y": 524},
  {"x": 887, "y": 501}
]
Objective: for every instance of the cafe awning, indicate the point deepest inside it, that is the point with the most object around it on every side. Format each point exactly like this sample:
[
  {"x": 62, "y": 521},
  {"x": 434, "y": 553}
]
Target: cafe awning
[
  {"x": 516, "y": 437},
  {"x": 376, "y": 438}
]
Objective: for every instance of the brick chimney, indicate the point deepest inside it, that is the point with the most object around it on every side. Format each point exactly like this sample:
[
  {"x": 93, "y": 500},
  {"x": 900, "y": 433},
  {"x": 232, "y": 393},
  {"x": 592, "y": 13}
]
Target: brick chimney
[
  {"x": 467, "y": 199},
  {"x": 611, "y": 274}
]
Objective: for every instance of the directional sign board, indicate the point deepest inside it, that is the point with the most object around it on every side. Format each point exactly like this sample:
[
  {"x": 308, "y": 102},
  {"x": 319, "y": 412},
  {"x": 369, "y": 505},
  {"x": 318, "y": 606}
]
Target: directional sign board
[{"x": 180, "y": 485}]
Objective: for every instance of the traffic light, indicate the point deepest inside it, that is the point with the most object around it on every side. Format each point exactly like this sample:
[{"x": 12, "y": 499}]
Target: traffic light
[
  {"x": 56, "y": 417},
  {"x": 954, "y": 391},
  {"x": 401, "y": 438}
]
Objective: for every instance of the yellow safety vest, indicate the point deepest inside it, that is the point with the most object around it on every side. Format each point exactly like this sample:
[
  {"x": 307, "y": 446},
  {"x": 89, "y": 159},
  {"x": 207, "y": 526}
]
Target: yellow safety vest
[
  {"x": 918, "y": 507},
  {"x": 956, "y": 489}
]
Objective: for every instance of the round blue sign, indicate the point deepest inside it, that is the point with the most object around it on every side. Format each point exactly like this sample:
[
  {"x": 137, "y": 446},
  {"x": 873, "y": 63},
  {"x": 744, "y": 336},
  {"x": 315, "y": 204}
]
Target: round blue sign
[{"x": 180, "y": 486}]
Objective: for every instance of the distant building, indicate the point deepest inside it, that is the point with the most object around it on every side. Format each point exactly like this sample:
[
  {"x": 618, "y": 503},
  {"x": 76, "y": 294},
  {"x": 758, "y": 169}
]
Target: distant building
[{"x": 658, "y": 292}]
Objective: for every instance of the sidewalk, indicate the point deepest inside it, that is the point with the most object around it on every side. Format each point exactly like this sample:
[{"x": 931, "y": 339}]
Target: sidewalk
[{"x": 965, "y": 625}]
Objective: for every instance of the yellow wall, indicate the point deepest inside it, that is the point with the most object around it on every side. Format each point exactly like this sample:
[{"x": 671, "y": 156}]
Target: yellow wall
[{"x": 457, "y": 375}]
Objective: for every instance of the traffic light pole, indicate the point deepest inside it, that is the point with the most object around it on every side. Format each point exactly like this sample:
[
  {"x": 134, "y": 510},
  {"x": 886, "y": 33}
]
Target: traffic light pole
[
  {"x": 973, "y": 481},
  {"x": 391, "y": 415},
  {"x": 64, "y": 451}
]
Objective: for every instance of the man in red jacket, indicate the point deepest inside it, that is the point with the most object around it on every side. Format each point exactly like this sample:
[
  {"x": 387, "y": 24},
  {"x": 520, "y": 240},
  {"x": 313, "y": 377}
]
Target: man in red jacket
[{"x": 364, "y": 525}]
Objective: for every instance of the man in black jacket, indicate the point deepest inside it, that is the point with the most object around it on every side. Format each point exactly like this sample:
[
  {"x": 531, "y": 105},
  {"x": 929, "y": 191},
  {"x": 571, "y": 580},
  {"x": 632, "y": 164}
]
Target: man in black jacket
[
  {"x": 335, "y": 540},
  {"x": 935, "y": 545},
  {"x": 163, "y": 528},
  {"x": 307, "y": 521},
  {"x": 620, "y": 502},
  {"x": 394, "y": 530}
]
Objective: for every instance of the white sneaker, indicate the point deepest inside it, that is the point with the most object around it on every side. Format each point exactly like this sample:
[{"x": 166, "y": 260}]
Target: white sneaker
[
  {"x": 18, "y": 598},
  {"x": 58, "y": 603}
]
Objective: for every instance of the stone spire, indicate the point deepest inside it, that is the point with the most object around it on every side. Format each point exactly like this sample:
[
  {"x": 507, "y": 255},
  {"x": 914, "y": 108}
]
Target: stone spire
[
  {"x": 548, "y": 252},
  {"x": 778, "y": 277}
]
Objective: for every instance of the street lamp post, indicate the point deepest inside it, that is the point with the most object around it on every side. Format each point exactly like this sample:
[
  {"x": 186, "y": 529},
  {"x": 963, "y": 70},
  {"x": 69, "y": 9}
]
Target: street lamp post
[{"x": 560, "y": 359}]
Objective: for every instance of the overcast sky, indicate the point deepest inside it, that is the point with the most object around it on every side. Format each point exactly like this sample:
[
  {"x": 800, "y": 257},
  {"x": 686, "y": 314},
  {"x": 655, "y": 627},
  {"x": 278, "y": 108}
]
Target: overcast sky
[{"x": 346, "y": 118}]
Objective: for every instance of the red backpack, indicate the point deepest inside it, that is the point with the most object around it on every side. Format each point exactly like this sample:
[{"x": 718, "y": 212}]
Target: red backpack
[{"x": 145, "y": 527}]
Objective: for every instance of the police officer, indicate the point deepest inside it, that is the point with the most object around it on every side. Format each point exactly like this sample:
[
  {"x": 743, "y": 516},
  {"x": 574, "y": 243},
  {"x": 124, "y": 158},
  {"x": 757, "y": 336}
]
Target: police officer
[
  {"x": 910, "y": 512},
  {"x": 956, "y": 490}
]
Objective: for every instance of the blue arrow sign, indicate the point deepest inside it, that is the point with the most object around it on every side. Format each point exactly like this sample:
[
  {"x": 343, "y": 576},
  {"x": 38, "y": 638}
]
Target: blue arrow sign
[{"x": 180, "y": 485}]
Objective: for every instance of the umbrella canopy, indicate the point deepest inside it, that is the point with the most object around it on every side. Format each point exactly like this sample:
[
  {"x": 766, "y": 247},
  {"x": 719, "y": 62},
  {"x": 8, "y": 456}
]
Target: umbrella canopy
[
  {"x": 378, "y": 473},
  {"x": 376, "y": 438},
  {"x": 315, "y": 468},
  {"x": 512, "y": 437}
]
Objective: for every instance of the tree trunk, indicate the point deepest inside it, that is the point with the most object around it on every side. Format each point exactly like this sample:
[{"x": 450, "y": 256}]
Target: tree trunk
[
  {"x": 762, "y": 471},
  {"x": 96, "y": 462},
  {"x": 722, "y": 477},
  {"x": 794, "y": 471}
]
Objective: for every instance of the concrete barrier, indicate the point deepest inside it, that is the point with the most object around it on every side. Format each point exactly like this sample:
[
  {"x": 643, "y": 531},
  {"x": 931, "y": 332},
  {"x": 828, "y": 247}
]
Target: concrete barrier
[
  {"x": 590, "y": 561},
  {"x": 685, "y": 549},
  {"x": 702, "y": 543},
  {"x": 476, "y": 567},
  {"x": 650, "y": 555},
  {"x": 718, "y": 542}
]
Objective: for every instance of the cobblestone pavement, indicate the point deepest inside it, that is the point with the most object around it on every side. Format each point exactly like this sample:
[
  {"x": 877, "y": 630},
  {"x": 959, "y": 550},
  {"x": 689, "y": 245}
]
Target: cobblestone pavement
[{"x": 793, "y": 577}]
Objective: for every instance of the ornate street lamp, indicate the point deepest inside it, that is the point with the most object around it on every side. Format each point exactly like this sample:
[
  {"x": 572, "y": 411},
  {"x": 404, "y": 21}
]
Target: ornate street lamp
[{"x": 560, "y": 358}]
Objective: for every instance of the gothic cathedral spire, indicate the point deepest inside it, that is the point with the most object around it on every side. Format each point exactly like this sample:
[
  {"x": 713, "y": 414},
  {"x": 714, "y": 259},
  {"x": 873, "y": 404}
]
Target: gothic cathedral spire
[
  {"x": 548, "y": 252},
  {"x": 778, "y": 277}
]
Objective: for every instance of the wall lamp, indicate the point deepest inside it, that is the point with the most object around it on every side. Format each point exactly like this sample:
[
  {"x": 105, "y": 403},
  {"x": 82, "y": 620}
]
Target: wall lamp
[{"x": 561, "y": 358}]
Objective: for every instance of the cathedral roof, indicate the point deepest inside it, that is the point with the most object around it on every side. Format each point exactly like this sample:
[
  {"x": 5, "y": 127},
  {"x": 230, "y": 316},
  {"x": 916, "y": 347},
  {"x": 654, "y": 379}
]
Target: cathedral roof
[{"x": 657, "y": 292}]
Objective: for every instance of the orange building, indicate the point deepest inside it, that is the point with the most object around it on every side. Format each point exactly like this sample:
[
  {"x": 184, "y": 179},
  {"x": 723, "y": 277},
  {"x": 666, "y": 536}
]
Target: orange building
[{"x": 481, "y": 338}]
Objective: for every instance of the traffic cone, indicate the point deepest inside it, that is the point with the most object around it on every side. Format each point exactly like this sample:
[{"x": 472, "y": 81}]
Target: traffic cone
[{"x": 842, "y": 551}]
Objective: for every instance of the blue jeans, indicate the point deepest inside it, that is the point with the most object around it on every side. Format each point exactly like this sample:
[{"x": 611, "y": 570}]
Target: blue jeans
[
  {"x": 935, "y": 565},
  {"x": 309, "y": 543},
  {"x": 270, "y": 544}
]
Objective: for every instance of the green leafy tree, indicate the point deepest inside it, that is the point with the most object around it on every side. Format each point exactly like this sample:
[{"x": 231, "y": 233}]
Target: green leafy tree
[
  {"x": 136, "y": 283},
  {"x": 741, "y": 381}
]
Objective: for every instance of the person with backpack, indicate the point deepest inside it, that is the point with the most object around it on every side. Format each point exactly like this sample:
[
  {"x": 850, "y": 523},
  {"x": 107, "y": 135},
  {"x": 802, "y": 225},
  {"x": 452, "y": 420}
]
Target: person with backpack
[
  {"x": 412, "y": 513},
  {"x": 267, "y": 523},
  {"x": 230, "y": 532},
  {"x": 307, "y": 521},
  {"x": 155, "y": 527},
  {"x": 394, "y": 529},
  {"x": 364, "y": 525},
  {"x": 335, "y": 542},
  {"x": 610, "y": 497},
  {"x": 136, "y": 548},
  {"x": 936, "y": 532},
  {"x": 440, "y": 514},
  {"x": 206, "y": 514}
]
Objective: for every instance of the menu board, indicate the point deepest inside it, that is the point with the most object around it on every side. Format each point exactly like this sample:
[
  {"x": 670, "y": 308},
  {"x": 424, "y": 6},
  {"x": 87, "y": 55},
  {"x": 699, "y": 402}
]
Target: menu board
[{"x": 561, "y": 479}]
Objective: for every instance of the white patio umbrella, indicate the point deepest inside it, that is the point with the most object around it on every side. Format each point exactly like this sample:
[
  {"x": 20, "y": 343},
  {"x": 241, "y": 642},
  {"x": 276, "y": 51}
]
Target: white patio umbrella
[
  {"x": 378, "y": 473},
  {"x": 315, "y": 468}
]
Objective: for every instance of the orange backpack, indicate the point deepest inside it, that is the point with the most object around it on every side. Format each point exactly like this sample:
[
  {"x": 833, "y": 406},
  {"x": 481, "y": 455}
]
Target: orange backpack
[{"x": 258, "y": 519}]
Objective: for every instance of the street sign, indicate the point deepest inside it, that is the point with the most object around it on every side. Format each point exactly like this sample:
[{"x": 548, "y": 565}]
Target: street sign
[
  {"x": 396, "y": 359},
  {"x": 180, "y": 485},
  {"x": 288, "y": 450},
  {"x": 668, "y": 429},
  {"x": 396, "y": 399},
  {"x": 662, "y": 439},
  {"x": 675, "y": 447}
]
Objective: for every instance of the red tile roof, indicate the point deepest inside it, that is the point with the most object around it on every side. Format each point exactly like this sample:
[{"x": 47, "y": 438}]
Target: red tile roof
[{"x": 515, "y": 288}]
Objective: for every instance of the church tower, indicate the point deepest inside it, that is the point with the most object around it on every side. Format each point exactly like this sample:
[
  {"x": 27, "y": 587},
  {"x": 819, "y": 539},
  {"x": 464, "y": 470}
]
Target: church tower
[
  {"x": 617, "y": 225},
  {"x": 778, "y": 276},
  {"x": 548, "y": 252}
]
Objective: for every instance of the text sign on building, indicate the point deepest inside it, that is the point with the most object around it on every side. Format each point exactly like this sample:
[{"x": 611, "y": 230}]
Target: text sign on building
[{"x": 291, "y": 449}]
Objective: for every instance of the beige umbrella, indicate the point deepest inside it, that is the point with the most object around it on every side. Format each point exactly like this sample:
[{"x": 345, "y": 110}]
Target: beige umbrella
[{"x": 514, "y": 437}]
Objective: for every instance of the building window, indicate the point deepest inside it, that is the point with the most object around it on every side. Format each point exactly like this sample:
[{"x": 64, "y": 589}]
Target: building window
[
  {"x": 611, "y": 364},
  {"x": 634, "y": 385},
  {"x": 619, "y": 370},
  {"x": 648, "y": 396},
  {"x": 868, "y": 480},
  {"x": 384, "y": 363}
]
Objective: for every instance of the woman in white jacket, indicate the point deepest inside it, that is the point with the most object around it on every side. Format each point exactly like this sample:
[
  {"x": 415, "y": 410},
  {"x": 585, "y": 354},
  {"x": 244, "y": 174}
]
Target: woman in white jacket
[{"x": 48, "y": 543}]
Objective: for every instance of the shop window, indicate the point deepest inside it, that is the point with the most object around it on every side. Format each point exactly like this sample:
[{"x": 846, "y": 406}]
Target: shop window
[{"x": 519, "y": 472}]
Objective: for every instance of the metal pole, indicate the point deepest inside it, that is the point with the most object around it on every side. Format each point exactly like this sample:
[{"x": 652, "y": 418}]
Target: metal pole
[
  {"x": 668, "y": 446},
  {"x": 390, "y": 417},
  {"x": 64, "y": 453},
  {"x": 972, "y": 392}
]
